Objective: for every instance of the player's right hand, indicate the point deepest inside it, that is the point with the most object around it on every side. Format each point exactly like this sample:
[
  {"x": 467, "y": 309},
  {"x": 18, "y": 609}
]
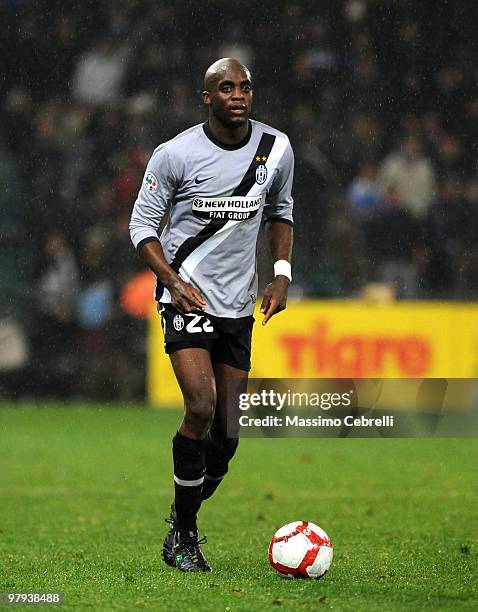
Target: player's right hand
[{"x": 185, "y": 297}]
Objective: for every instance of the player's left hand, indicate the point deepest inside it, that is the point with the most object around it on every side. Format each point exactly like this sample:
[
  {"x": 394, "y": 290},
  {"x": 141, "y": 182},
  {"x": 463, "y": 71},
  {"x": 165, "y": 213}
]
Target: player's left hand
[{"x": 275, "y": 297}]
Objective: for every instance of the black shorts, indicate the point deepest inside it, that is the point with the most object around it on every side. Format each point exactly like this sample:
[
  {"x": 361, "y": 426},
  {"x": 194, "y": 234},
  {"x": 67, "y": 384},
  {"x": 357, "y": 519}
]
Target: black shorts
[{"x": 228, "y": 340}]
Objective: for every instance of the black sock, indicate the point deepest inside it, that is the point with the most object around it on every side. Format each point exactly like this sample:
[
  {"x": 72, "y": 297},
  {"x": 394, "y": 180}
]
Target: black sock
[
  {"x": 189, "y": 465},
  {"x": 217, "y": 461}
]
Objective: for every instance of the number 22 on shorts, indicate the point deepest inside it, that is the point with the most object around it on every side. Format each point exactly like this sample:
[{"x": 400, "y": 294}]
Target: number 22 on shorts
[{"x": 194, "y": 326}]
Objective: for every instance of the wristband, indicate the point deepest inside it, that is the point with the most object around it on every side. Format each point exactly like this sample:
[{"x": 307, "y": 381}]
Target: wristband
[{"x": 283, "y": 268}]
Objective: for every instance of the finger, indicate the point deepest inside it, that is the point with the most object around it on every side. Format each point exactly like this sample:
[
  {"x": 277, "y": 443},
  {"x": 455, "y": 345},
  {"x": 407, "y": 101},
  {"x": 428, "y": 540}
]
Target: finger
[
  {"x": 185, "y": 305},
  {"x": 280, "y": 307},
  {"x": 195, "y": 303},
  {"x": 198, "y": 298},
  {"x": 188, "y": 308},
  {"x": 179, "y": 306},
  {"x": 265, "y": 303},
  {"x": 271, "y": 309}
]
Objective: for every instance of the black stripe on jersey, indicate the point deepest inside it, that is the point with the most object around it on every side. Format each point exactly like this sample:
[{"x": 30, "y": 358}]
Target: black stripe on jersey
[
  {"x": 263, "y": 150},
  {"x": 187, "y": 247},
  {"x": 191, "y": 244}
]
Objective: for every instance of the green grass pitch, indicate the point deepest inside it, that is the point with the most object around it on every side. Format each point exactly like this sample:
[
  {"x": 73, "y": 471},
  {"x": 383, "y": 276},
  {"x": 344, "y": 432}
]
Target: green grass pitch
[{"x": 84, "y": 491}]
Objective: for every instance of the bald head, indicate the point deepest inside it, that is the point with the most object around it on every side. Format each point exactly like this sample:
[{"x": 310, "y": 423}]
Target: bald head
[{"x": 223, "y": 69}]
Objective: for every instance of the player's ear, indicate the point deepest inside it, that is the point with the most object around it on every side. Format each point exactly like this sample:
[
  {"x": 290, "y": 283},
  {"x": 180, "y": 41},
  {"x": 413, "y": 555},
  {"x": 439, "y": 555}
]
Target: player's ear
[{"x": 206, "y": 97}]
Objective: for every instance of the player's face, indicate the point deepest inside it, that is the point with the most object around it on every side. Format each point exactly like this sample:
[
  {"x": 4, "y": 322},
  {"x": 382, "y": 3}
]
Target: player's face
[{"x": 230, "y": 98}]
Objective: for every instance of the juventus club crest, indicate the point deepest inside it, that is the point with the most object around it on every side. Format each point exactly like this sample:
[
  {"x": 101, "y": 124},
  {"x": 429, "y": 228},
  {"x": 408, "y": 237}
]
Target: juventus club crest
[
  {"x": 261, "y": 174},
  {"x": 178, "y": 322}
]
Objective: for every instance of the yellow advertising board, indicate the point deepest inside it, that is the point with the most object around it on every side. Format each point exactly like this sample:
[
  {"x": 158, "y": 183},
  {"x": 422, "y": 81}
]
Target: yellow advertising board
[{"x": 346, "y": 339}]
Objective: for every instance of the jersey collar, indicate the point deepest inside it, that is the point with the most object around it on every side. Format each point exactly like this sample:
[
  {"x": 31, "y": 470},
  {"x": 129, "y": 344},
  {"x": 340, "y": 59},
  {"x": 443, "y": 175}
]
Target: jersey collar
[{"x": 222, "y": 145}]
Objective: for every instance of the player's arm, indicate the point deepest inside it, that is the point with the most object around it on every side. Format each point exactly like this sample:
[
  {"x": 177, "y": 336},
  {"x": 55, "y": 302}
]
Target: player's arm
[
  {"x": 280, "y": 238},
  {"x": 279, "y": 232},
  {"x": 154, "y": 199}
]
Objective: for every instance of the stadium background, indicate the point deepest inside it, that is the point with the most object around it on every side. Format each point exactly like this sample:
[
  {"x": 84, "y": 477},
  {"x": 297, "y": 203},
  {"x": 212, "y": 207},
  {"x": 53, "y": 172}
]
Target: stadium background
[{"x": 379, "y": 100}]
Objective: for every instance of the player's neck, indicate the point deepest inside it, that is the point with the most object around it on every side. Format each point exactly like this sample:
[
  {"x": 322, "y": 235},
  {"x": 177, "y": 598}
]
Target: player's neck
[{"x": 228, "y": 136}]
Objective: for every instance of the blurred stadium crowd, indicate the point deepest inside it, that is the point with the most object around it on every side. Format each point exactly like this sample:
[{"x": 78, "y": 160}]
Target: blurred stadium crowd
[{"x": 378, "y": 97}]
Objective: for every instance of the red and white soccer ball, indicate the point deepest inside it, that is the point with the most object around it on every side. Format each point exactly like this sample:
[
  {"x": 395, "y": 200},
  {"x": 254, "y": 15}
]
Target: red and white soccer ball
[{"x": 301, "y": 550}]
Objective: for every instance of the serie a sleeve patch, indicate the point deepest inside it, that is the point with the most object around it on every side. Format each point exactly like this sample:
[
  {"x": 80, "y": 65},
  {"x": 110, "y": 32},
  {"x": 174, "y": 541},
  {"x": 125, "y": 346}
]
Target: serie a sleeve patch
[{"x": 151, "y": 182}]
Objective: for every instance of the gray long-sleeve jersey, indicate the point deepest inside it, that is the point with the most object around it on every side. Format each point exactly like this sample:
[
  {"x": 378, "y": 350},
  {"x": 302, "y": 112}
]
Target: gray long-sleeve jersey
[{"x": 215, "y": 196}]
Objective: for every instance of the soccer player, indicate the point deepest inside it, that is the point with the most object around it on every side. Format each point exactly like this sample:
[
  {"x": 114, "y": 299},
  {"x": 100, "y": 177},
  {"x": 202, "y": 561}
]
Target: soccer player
[{"x": 216, "y": 182}]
